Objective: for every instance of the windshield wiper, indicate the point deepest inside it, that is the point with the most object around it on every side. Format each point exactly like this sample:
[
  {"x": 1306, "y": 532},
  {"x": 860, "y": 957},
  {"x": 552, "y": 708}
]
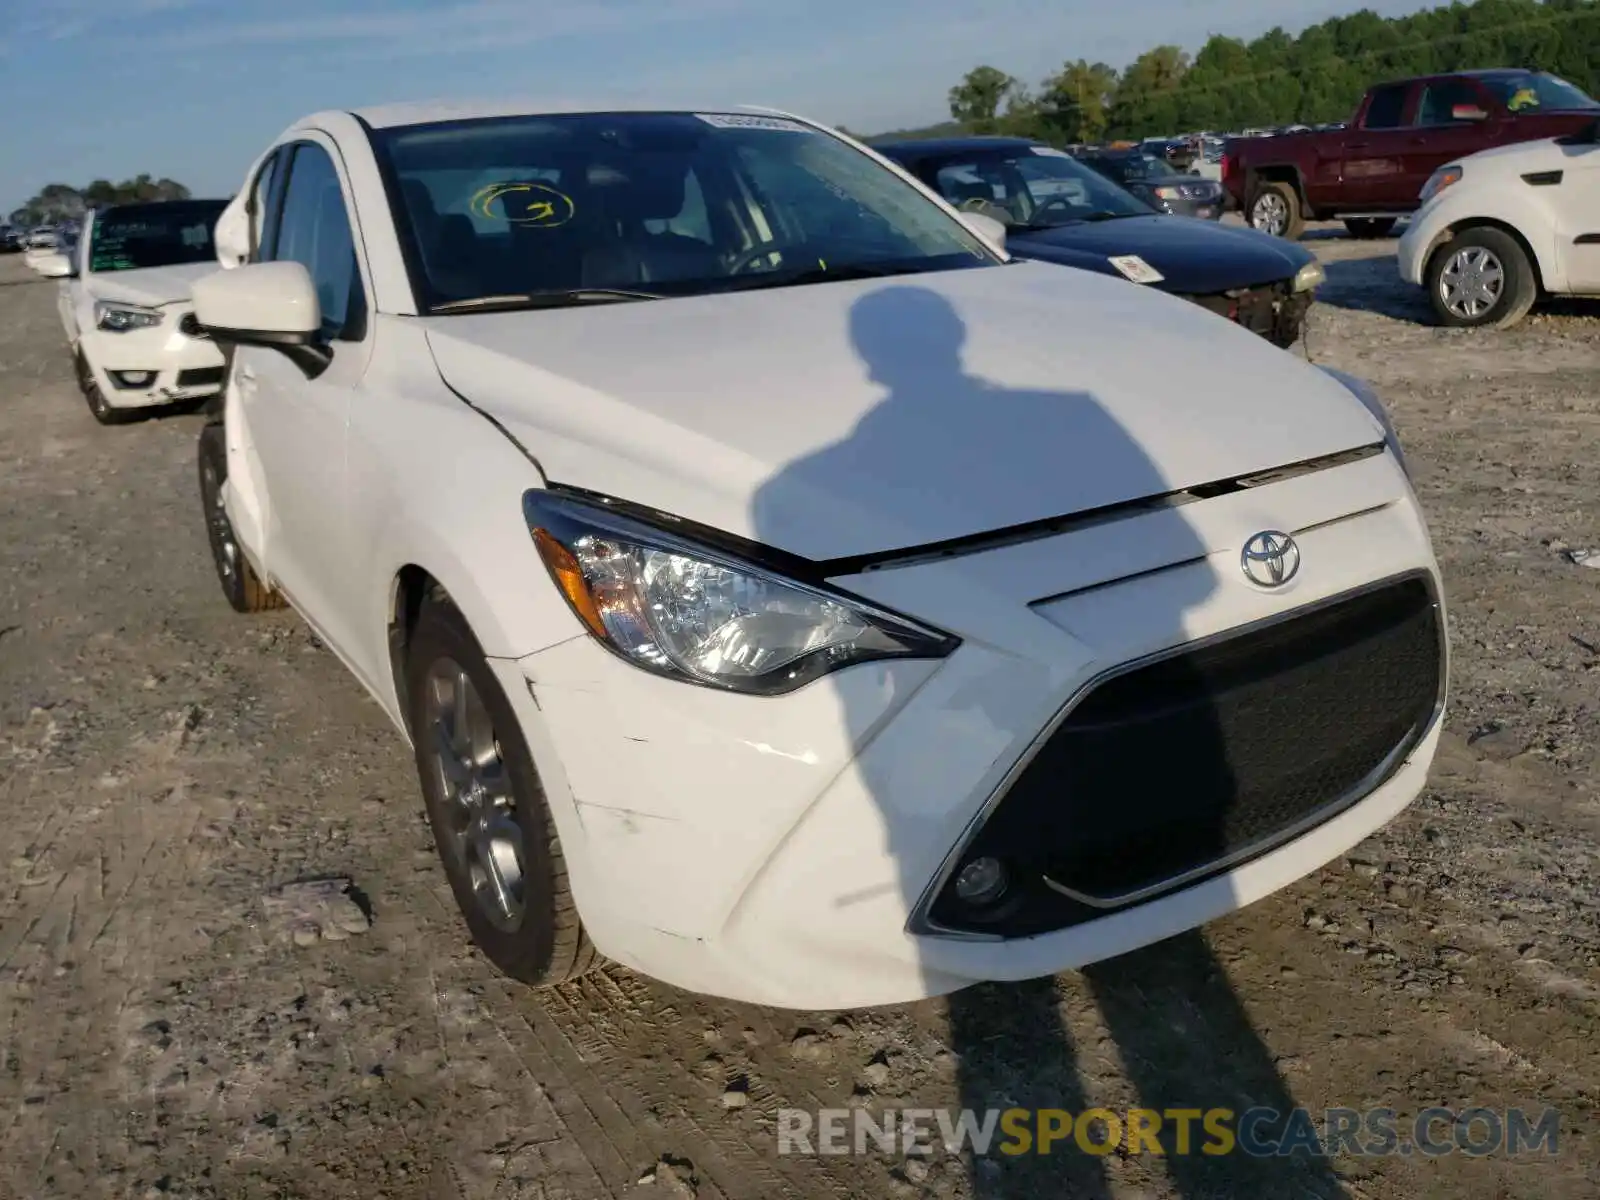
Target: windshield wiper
[
  {"x": 566, "y": 298},
  {"x": 1103, "y": 215},
  {"x": 774, "y": 279}
]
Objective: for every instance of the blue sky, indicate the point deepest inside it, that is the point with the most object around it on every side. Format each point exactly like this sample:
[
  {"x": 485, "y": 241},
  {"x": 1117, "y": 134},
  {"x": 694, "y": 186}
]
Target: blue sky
[{"x": 192, "y": 89}]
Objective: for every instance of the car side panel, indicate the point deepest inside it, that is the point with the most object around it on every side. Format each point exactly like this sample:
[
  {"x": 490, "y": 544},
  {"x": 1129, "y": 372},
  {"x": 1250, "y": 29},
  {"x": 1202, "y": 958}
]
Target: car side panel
[
  {"x": 434, "y": 484},
  {"x": 1577, "y": 204}
]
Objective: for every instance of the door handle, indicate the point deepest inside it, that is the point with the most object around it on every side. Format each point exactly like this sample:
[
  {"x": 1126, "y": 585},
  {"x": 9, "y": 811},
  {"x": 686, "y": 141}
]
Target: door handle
[{"x": 1355, "y": 145}]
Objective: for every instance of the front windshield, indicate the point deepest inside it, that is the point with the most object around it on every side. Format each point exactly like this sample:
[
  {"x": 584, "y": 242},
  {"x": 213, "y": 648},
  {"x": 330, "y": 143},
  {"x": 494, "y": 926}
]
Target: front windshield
[
  {"x": 1034, "y": 188},
  {"x": 1531, "y": 92},
  {"x": 172, "y": 233},
  {"x": 662, "y": 203}
]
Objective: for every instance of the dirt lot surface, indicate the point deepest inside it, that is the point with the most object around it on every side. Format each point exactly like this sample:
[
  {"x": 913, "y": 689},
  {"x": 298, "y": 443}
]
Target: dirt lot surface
[{"x": 165, "y": 763}]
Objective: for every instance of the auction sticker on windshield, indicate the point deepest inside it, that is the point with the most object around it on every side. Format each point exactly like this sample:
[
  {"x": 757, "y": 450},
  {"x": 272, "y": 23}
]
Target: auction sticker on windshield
[
  {"x": 1135, "y": 268},
  {"x": 751, "y": 121}
]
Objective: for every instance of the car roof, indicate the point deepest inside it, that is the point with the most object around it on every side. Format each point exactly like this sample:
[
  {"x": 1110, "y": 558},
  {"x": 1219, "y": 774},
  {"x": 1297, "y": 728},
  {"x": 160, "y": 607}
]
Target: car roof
[
  {"x": 139, "y": 206},
  {"x": 427, "y": 112}
]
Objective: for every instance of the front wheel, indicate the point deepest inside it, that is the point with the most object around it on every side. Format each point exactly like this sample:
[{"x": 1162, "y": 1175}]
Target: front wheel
[
  {"x": 1481, "y": 278},
  {"x": 102, "y": 412},
  {"x": 240, "y": 583},
  {"x": 490, "y": 820},
  {"x": 1276, "y": 209}
]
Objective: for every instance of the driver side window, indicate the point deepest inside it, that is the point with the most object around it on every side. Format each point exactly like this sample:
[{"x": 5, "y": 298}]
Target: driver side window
[{"x": 314, "y": 230}]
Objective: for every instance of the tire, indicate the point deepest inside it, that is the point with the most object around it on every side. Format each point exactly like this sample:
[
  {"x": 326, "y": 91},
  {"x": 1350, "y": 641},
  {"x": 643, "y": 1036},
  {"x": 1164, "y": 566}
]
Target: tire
[
  {"x": 240, "y": 583},
  {"x": 1276, "y": 209},
  {"x": 492, "y": 848},
  {"x": 95, "y": 398},
  {"x": 1370, "y": 227},
  {"x": 1494, "y": 260}
]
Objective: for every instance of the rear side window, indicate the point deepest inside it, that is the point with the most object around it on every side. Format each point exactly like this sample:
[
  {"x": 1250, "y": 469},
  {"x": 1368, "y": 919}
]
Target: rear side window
[{"x": 1387, "y": 107}]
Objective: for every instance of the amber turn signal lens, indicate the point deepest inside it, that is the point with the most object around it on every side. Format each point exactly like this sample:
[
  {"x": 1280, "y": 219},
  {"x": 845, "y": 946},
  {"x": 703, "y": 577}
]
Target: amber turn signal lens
[{"x": 569, "y": 577}]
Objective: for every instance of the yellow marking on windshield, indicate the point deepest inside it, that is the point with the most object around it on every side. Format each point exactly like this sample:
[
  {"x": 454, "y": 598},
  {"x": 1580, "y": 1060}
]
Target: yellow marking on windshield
[{"x": 529, "y": 205}]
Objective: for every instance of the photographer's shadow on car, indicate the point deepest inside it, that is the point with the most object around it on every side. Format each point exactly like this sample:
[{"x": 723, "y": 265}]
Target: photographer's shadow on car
[{"x": 1122, "y": 795}]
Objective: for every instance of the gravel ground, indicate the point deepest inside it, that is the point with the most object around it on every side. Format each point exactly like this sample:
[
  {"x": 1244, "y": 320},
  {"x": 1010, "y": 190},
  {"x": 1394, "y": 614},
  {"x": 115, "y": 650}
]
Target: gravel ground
[{"x": 166, "y": 767}]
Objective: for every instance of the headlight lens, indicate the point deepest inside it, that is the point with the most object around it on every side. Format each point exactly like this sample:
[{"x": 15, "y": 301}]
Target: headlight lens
[
  {"x": 1167, "y": 193},
  {"x": 1309, "y": 276},
  {"x": 1446, "y": 176},
  {"x": 120, "y": 318},
  {"x": 691, "y": 612},
  {"x": 1363, "y": 392}
]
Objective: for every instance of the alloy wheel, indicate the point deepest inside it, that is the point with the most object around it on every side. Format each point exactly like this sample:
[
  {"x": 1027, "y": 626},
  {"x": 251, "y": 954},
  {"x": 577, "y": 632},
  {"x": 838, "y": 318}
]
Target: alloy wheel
[
  {"x": 471, "y": 774},
  {"x": 1472, "y": 282},
  {"x": 224, "y": 548},
  {"x": 1270, "y": 214}
]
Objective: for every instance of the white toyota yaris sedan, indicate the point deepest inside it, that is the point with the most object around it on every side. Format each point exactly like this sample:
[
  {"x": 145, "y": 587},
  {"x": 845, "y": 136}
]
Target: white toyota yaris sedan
[
  {"x": 125, "y": 308},
  {"x": 785, "y": 593}
]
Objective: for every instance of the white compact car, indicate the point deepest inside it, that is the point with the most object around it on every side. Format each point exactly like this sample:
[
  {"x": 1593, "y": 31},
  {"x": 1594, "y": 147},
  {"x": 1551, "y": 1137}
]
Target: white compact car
[
  {"x": 1500, "y": 228},
  {"x": 125, "y": 306},
  {"x": 784, "y": 592}
]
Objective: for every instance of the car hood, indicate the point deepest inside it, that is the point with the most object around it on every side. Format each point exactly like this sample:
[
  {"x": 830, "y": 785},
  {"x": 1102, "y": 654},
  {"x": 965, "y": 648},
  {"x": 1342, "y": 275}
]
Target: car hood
[
  {"x": 852, "y": 418},
  {"x": 1196, "y": 257},
  {"x": 1545, "y": 154},
  {"x": 150, "y": 286}
]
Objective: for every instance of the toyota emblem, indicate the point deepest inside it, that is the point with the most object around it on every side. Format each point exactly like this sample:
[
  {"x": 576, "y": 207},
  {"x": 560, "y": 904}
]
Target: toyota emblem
[{"x": 1270, "y": 559}]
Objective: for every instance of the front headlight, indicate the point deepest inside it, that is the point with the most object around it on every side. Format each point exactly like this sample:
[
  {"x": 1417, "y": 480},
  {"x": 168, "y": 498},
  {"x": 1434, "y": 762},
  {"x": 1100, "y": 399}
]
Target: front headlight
[
  {"x": 692, "y": 612},
  {"x": 1362, "y": 391},
  {"x": 1446, "y": 176},
  {"x": 1167, "y": 193},
  {"x": 120, "y": 318},
  {"x": 1309, "y": 276}
]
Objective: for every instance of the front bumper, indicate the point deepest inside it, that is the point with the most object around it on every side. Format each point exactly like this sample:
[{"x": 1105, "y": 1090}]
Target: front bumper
[
  {"x": 1208, "y": 208},
  {"x": 1416, "y": 246},
  {"x": 784, "y": 851},
  {"x": 1272, "y": 310},
  {"x": 179, "y": 366}
]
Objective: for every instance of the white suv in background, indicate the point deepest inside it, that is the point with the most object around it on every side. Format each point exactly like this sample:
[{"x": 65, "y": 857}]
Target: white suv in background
[
  {"x": 1501, "y": 228},
  {"x": 125, "y": 305}
]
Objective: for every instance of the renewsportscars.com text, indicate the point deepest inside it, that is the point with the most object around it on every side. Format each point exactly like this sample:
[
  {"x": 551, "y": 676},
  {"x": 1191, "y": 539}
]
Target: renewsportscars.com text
[{"x": 1258, "y": 1132}]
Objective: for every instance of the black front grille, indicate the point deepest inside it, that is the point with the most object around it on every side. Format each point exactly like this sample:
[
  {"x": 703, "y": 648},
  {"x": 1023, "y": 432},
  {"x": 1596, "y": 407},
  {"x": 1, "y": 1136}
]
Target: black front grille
[
  {"x": 1195, "y": 762},
  {"x": 197, "y": 376}
]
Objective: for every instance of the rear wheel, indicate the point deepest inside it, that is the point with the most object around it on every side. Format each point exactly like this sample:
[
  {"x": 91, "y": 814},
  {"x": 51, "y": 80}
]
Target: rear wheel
[
  {"x": 240, "y": 583},
  {"x": 1481, "y": 277},
  {"x": 1276, "y": 209},
  {"x": 486, "y": 805},
  {"x": 1369, "y": 227}
]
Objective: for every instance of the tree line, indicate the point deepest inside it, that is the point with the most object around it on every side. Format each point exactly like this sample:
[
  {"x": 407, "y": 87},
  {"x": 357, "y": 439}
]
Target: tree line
[
  {"x": 60, "y": 202},
  {"x": 1279, "y": 79}
]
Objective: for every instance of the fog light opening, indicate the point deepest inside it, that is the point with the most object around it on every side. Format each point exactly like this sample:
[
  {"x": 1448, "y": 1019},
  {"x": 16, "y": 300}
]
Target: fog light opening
[{"x": 982, "y": 882}]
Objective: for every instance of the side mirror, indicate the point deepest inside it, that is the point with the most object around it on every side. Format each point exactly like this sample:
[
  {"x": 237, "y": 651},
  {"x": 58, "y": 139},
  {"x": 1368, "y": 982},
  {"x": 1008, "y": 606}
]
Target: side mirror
[
  {"x": 265, "y": 304},
  {"x": 986, "y": 227},
  {"x": 53, "y": 266},
  {"x": 1467, "y": 112}
]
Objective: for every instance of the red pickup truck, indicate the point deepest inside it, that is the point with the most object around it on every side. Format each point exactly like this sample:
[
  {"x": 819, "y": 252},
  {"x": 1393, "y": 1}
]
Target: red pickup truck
[{"x": 1372, "y": 171}]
